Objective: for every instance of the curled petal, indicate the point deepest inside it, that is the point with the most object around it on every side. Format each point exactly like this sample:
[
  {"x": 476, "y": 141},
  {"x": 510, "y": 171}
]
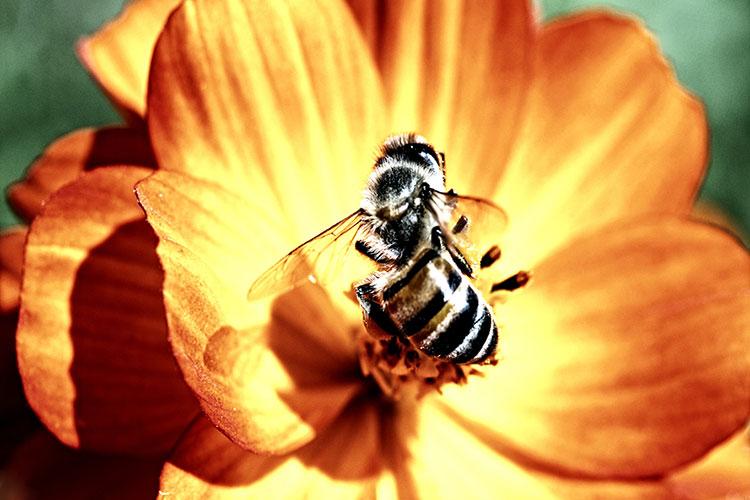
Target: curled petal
[
  {"x": 341, "y": 463},
  {"x": 270, "y": 378},
  {"x": 42, "y": 468},
  {"x": 119, "y": 55},
  {"x": 234, "y": 237},
  {"x": 608, "y": 132},
  {"x": 456, "y": 72},
  {"x": 66, "y": 158},
  {"x": 92, "y": 336},
  {"x": 710, "y": 213},
  {"x": 279, "y": 101},
  {"x": 625, "y": 356}
]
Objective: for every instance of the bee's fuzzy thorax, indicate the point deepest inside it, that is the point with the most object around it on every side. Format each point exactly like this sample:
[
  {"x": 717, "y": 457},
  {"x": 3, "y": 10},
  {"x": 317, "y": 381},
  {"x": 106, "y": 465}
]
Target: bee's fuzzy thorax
[
  {"x": 405, "y": 162},
  {"x": 394, "y": 181},
  {"x": 394, "y": 203}
]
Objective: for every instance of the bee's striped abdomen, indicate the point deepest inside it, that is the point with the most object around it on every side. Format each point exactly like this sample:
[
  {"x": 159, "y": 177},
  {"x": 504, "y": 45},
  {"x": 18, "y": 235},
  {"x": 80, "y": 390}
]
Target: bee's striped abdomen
[{"x": 438, "y": 309}]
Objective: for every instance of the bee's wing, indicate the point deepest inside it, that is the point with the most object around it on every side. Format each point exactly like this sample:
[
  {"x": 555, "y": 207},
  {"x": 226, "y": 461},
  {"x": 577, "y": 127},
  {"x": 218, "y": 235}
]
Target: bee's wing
[
  {"x": 472, "y": 225},
  {"x": 328, "y": 258}
]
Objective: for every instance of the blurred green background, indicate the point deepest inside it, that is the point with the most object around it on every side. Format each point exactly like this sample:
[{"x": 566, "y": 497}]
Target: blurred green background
[{"x": 44, "y": 92}]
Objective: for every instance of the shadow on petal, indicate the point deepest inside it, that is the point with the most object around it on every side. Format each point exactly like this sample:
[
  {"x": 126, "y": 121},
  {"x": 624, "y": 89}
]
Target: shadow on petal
[
  {"x": 312, "y": 336},
  {"x": 398, "y": 425},
  {"x": 42, "y": 468},
  {"x": 317, "y": 349},
  {"x": 344, "y": 459},
  {"x": 272, "y": 387},
  {"x": 314, "y": 347},
  {"x": 126, "y": 381}
]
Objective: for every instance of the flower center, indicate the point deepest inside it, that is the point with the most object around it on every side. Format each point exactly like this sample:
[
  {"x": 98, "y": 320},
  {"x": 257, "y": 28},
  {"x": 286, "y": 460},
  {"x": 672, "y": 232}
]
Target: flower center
[{"x": 399, "y": 368}]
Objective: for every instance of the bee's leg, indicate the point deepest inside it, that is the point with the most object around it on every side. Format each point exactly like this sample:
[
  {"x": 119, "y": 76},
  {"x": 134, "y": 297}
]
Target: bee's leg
[
  {"x": 513, "y": 283},
  {"x": 374, "y": 310},
  {"x": 438, "y": 243},
  {"x": 438, "y": 238}
]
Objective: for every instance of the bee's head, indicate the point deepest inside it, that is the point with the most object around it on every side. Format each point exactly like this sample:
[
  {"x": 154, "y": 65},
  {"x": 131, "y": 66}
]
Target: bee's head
[{"x": 396, "y": 186}]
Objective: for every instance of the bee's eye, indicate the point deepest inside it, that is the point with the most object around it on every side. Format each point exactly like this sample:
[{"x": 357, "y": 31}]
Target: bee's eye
[
  {"x": 431, "y": 158},
  {"x": 418, "y": 152},
  {"x": 411, "y": 149}
]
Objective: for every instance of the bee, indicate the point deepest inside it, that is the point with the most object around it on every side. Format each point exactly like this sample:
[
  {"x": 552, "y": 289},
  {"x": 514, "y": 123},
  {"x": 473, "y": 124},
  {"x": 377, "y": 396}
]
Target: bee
[{"x": 424, "y": 247}]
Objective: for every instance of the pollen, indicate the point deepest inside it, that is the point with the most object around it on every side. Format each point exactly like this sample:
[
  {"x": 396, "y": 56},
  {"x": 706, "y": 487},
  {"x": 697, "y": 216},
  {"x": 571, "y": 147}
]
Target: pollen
[{"x": 399, "y": 368}]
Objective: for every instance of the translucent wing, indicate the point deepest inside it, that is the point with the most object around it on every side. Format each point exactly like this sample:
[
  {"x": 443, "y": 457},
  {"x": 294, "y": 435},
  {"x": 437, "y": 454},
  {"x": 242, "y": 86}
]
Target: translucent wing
[
  {"x": 474, "y": 226},
  {"x": 328, "y": 258}
]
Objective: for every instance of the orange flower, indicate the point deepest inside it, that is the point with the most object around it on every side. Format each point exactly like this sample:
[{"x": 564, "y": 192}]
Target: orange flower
[{"x": 624, "y": 359}]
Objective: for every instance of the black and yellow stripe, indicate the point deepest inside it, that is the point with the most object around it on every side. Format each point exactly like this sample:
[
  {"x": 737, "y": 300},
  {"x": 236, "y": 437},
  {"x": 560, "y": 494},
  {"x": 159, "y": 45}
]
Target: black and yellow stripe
[{"x": 439, "y": 310}]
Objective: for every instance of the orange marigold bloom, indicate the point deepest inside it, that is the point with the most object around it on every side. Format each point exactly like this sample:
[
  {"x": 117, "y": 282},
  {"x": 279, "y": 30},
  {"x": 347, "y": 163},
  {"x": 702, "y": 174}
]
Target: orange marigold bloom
[{"x": 625, "y": 359}]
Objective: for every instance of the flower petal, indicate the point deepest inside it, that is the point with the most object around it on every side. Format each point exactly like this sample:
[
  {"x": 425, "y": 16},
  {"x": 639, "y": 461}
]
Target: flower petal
[
  {"x": 269, "y": 379},
  {"x": 119, "y": 55},
  {"x": 234, "y": 237},
  {"x": 341, "y": 463},
  {"x": 389, "y": 452},
  {"x": 42, "y": 468},
  {"x": 456, "y": 72},
  {"x": 66, "y": 158},
  {"x": 430, "y": 456},
  {"x": 92, "y": 338},
  {"x": 724, "y": 473},
  {"x": 11, "y": 262},
  {"x": 608, "y": 133},
  {"x": 625, "y": 356},
  {"x": 278, "y": 101}
]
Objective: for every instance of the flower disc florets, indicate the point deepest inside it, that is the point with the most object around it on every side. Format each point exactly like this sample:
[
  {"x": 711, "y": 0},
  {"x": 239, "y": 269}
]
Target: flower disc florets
[{"x": 399, "y": 368}]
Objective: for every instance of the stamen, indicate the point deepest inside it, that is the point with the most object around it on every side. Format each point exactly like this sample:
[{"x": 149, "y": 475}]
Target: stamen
[
  {"x": 399, "y": 368},
  {"x": 461, "y": 224},
  {"x": 490, "y": 257},
  {"x": 513, "y": 283}
]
